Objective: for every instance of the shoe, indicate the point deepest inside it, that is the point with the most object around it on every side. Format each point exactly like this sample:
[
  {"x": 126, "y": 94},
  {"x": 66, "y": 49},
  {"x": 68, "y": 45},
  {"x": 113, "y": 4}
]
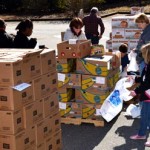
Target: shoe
[
  {"x": 147, "y": 144},
  {"x": 137, "y": 137}
]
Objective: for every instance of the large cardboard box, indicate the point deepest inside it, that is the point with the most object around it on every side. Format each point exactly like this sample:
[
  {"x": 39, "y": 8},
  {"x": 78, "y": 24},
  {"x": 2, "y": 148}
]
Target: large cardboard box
[
  {"x": 95, "y": 65},
  {"x": 70, "y": 109},
  {"x": 48, "y": 61},
  {"x": 33, "y": 113},
  {"x": 136, "y": 10},
  {"x": 50, "y": 104},
  {"x": 65, "y": 65},
  {"x": 69, "y": 80},
  {"x": 133, "y": 34},
  {"x": 12, "y": 142},
  {"x": 92, "y": 96},
  {"x": 12, "y": 98},
  {"x": 11, "y": 122},
  {"x": 11, "y": 72},
  {"x": 81, "y": 49}
]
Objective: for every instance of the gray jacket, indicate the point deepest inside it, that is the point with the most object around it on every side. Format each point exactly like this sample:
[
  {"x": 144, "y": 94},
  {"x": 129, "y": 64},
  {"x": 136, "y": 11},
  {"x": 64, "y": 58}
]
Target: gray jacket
[{"x": 144, "y": 39}]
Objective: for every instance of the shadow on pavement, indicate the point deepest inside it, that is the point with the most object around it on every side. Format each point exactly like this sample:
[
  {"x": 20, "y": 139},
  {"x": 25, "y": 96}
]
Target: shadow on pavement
[{"x": 85, "y": 136}]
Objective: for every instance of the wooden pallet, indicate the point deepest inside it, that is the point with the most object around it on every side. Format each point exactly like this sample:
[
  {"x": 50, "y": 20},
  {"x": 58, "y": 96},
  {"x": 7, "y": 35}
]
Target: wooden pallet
[{"x": 79, "y": 121}]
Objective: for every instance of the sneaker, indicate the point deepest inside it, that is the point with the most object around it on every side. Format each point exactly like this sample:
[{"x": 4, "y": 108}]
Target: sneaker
[{"x": 137, "y": 137}]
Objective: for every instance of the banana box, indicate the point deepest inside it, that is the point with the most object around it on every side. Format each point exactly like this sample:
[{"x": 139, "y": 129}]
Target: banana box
[
  {"x": 91, "y": 97},
  {"x": 66, "y": 94},
  {"x": 94, "y": 65},
  {"x": 65, "y": 65},
  {"x": 90, "y": 110},
  {"x": 69, "y": 80},
  {"x": 116, "y": 75},
  {"x": 80, "y": 49},
  {"x": 91, "y": 82},
  {"x": 116, "y": 60},
  {"x": 70, "y": 109},
  {"x": 97, "y": 49}
]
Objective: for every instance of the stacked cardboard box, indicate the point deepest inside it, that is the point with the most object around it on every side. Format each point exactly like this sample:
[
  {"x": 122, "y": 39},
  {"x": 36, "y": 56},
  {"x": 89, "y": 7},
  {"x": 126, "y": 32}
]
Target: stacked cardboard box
[
  {"x": 124, "y": 30},
  {"x": 84, "y": 81},
  {"x": 29, "y": 112}
]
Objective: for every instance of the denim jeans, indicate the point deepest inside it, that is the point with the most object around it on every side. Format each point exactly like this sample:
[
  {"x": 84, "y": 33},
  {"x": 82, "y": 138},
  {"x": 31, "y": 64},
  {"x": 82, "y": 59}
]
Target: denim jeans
[
  {"x": 145, "y": 118},
  {"x": 94, "y": 39}
]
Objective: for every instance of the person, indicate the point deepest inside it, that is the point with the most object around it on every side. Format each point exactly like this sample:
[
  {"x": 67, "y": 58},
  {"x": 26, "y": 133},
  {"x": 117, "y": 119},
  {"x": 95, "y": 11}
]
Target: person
[
  {"x": 25, "y": 28},
  {"x": 123, "y": 48},
  {"x": 91, "y": 24},
  {"x": 143, "y": 23},
  {"x": 144, "y": 81},
  {"x": 75, "y": 32},
  {"x": 6, "y": 40}
]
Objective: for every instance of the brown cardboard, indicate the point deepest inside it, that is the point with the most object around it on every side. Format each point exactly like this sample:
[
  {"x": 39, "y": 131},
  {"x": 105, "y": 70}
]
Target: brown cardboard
[
  {"x": 79, "y": 50},
  {"x": 11, "y": 72},
  {"x": 41, "y": 146},
  {"x": 12, "y": 99},
  {"x": 50, "y": 104},
  {"x": 12, "y": 142},
  {"x": 11, "y": 122},
  {"x": 48, "y": 61},
  {"x": 69, "y": 80},
  {"x": 33, "y": 113},
  {"x": 58, "y": 140}
]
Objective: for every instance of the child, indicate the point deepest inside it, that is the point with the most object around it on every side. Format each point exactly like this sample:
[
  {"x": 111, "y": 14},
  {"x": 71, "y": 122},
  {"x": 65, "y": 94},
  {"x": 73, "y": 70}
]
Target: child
[
  {"x": 123, "y": 48},
  {"x": 144, "y": 81}
]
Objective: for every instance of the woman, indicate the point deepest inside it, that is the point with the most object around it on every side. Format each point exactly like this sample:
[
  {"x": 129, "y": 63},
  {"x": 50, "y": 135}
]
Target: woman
[
  {"x": 144, "y": 81},
  {"x": 21, "y": 40},
  {"x": 75, "y": 32}
]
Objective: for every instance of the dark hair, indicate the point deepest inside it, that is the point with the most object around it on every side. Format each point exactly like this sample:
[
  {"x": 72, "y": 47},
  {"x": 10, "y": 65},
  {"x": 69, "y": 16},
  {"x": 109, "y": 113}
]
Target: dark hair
[
  {"x": 24, "y": 24},
  {"x": 2, "y": 23},
  {"x": 77, "y": 23},
  {"x": 123, "y": 48}
]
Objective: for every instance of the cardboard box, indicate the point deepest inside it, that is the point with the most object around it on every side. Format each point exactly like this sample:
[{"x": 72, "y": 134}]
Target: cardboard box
[
  {"x": 41, "y": 146},
  {"x": 94, "y": 65},
  {"x": 33, "y": 113},
  {"x": 48, "y": 61},
  {"x": 43, "y": 130},
  {"x": 119, "y": 22},
  {"x": 12, "y": 98},
  {"x": 136, "y": 10},
  {"x": 133, "y": 34},
  {"x": 118, "y": 34},
  {"x": 11, "y": 72},
  {"x": 89, "y": 111},
  {"x": 29, "y": 138},
  {"x": 109, "y": 44},
  {"x": 91, "y": 82},
  {"x": 79, "y": 50},
  {"x": 97, "y": 49},
  {"x": 92, "y": 96},
  {"x": 66, "y": 94},
  {"x": 69, "y": 80},
  {"x": 65, "y": 65},
  {"x": 12, "y": 142},
  {"x": 50, "y": 104},
  {"x": 11, "y": 122},
  {"x": 70, "y": 109},
  {"x": 116, "y": 44},
  {"x": 132, "y": 44}
]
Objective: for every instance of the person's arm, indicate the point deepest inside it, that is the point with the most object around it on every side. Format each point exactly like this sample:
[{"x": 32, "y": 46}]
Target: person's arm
[{"x": 102, "y": 27}]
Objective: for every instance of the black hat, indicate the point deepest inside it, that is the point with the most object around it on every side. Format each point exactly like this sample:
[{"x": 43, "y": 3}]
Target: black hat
[{"x": 2, "y": 23}]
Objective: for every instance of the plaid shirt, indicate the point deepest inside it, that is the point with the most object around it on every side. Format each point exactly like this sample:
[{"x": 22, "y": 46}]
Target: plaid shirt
[{"x": 91, "y": 23}]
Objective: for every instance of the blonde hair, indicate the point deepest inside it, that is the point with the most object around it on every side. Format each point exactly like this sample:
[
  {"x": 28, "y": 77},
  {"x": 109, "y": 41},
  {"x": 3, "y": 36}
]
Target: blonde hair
[
  {"x": 146, "y": 53},
  {"x": 142, "y": 18}
]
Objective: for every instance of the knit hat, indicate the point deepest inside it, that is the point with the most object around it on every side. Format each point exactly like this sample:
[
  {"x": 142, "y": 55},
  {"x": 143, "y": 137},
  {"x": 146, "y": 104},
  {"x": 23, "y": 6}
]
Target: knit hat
[{"x": 94, "y": 10}]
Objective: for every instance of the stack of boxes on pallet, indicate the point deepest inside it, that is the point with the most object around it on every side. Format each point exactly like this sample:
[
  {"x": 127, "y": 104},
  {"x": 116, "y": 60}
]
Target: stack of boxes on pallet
[
  {"x": 29, "y": 112},
  {"x": 124, "y": 30},
  {"x": 84, "y": 81}
]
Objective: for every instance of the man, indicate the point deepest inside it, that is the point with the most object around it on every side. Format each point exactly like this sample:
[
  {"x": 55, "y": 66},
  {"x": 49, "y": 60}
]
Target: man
[
  {"x": 6, "y": 40},
  {"x": 91, "y": 24}
]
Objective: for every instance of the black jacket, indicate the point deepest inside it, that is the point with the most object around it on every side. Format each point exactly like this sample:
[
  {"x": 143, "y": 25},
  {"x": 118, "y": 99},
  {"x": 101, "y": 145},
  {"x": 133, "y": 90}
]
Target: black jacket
[
  {"x": 22, "y": 41},
  {"x": 144, "y": 81},
  {"x": 6, "y": 40}
]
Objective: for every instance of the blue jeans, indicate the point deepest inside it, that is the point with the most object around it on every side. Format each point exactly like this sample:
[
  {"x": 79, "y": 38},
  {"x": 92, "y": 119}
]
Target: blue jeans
[
  {"x": 94, "y": 39},
  {"x": 145, "y": 118}
]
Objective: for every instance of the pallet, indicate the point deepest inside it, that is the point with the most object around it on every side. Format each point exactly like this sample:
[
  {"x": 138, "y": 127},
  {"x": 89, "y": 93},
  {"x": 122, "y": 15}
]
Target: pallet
[{"x": 79, "y": 121}]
